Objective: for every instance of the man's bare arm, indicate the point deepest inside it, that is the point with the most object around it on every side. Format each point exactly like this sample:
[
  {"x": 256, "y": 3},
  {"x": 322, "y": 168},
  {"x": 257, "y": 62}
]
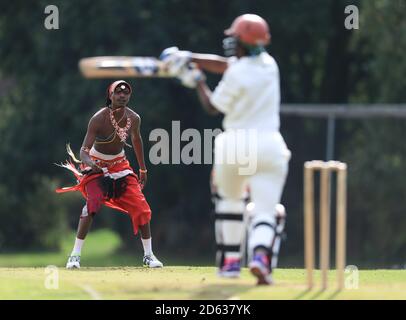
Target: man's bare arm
[
  {"x": 88, "y": 143},
  {"x": 204, "y": 93},
  {"x": 210, "y": 62},
  {"x": 136, "y": 140}
]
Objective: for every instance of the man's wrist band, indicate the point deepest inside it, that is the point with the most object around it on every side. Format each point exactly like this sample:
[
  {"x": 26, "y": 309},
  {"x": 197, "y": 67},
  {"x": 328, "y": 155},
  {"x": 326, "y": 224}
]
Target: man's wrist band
[{"x": 143, "y": 171}]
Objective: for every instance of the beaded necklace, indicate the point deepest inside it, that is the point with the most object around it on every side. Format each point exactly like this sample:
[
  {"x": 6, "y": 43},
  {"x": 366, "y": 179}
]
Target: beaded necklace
[{"x": 121, "y": 132}]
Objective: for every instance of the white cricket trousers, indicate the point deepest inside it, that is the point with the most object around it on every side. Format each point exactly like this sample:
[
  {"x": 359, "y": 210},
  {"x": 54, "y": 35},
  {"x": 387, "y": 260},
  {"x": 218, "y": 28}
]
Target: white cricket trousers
[{"x": 257, "y": 160}]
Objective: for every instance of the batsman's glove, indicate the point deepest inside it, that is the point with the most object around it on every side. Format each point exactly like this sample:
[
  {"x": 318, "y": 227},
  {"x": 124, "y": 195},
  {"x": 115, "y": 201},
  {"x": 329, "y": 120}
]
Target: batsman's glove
[
  {"x": 175, "y": 60},
  {"x": 190, "y": 75}
]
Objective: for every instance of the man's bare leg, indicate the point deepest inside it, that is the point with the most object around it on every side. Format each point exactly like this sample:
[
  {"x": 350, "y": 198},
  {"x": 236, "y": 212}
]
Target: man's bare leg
[
  {"x": 145, "y": 231},
  {"x": 149, "y": 259},
  {"x": 83, "y": 229},
  {"x": 84, "y": 226}
]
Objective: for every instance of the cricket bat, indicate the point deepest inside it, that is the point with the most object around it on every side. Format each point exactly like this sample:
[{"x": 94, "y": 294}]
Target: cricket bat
[{"x": 122, "y": 67}]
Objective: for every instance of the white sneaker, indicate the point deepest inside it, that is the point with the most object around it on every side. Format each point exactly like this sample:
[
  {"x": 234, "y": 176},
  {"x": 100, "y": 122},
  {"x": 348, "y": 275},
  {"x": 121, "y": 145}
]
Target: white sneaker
[
  {"x": 73, "y": 262},
  {"x": 151, "y": 261}
]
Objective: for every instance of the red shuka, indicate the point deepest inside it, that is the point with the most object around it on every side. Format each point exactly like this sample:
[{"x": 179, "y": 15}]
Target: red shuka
[{"x": 131, "y": 202}]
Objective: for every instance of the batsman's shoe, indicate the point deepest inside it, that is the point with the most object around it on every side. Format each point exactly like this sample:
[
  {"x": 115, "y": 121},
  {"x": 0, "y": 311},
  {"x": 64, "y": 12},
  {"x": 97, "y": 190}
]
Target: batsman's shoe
[
  {"x": 230, "y": 269},
  {"x": 151, "y": 261},
  {"x": 259, "y": 267},
  {"x": 73, "y": 262}
]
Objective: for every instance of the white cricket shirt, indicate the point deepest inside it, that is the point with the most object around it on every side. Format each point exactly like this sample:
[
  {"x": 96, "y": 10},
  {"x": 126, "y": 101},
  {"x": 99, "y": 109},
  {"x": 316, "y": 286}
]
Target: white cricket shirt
[{"x": 249, "y": 94}]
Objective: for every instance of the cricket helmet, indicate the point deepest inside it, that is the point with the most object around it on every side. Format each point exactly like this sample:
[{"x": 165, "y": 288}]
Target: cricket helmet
[{"x": 250, "y": 29}]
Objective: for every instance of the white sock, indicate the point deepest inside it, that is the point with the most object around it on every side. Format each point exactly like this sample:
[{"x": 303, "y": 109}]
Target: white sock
[
  {"x": 147, "y": 244},
  {"x": 77, "y": 247}
]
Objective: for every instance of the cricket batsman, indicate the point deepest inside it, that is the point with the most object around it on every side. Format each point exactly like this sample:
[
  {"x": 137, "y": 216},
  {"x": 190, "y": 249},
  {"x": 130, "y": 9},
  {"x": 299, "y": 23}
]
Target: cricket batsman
[{"x": 249, "y": 97}]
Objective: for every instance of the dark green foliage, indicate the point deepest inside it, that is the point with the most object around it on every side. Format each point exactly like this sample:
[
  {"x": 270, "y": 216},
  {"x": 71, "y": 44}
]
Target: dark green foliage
[{"x": 45, "y": 103}]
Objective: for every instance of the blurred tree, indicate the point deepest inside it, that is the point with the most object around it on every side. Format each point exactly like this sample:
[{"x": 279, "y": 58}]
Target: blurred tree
[
  {"x": 376, "y": 150},
  {"x": 49, "y": 104}
]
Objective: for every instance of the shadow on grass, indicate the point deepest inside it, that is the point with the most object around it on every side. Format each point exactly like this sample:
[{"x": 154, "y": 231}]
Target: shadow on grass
[
  {"x": 306, "y": 292},
  {"x": 317, "y": 294},
  {"x": 302, "y": 294},
  {"x": 221, "y": 291},
  {"x": 333, "y": 295}
]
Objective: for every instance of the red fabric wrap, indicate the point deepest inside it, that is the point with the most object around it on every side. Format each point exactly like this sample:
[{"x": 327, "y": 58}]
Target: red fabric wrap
[{"x": 131, "y": 202}]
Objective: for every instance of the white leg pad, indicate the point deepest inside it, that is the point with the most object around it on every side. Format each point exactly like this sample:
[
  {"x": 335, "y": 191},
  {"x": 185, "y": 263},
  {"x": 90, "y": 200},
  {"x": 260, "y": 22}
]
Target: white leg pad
[{"x": 262, "y": 231}]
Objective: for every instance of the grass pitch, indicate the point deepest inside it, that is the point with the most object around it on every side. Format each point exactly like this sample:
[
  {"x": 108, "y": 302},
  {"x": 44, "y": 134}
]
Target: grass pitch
[
  {"x": 186, "y": 283},
  {"x": 25, "y": 276}
]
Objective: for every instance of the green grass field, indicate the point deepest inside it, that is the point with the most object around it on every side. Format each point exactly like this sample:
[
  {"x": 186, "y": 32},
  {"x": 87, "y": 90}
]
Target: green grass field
[
  {"x": 185, "y": 283},
  {"x": 119, "y": 276}
]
